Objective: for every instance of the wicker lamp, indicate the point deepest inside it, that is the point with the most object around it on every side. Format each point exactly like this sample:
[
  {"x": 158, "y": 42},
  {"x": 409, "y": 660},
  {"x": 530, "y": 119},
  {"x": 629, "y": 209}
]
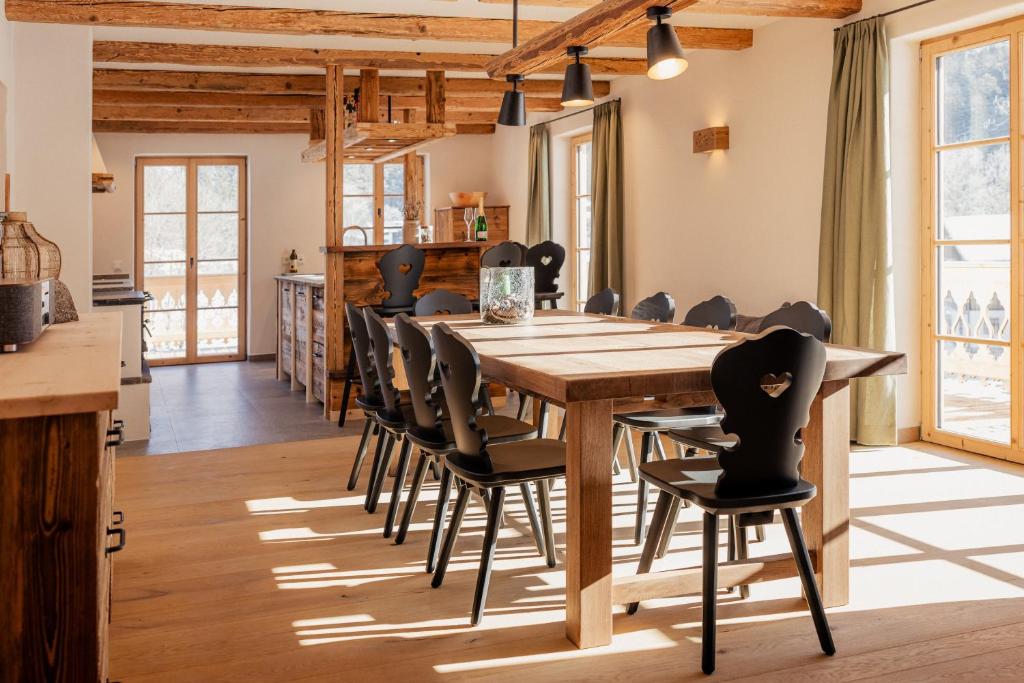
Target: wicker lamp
[{"x": 24, "y": 253}]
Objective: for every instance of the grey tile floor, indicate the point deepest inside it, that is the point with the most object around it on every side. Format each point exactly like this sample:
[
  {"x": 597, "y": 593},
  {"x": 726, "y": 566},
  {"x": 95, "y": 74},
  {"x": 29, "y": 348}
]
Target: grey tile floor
[{"x": 223, "y": 405}]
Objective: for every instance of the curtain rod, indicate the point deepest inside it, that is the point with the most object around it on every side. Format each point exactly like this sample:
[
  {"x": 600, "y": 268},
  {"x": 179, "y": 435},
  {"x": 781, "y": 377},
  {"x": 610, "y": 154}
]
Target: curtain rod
[
  {"x": 581, "y": 111},
  {"x": 889, "y": 13}
]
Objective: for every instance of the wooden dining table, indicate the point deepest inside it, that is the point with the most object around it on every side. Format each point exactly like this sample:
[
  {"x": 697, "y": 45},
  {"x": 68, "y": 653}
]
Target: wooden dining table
[{"x": 595, "y": 366}]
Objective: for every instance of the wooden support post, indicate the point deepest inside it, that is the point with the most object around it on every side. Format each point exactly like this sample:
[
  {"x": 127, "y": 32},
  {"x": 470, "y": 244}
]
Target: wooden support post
[
  {"x": 435, "y": 96},
  {"x": 316, "y": 125},
  {"x": 369, "y": 96},
  {"x": 334, "y": 304},
  {"x": 413, "y": 197},
  {"x": 826, "y": 464}
]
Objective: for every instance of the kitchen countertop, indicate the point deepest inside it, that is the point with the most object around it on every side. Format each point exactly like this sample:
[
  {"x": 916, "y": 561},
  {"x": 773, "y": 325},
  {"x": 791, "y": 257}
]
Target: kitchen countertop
[
  {"x": 124, "y": 297},
  {"x": 315, "y": 279}
]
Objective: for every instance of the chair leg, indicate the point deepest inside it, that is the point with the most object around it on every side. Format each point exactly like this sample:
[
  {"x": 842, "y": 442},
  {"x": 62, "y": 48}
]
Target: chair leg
[
  {"x": 661, "y": 515},
  {"x": 349, "y": 374},
  {"x": 523, "y": 403},
  {"x": 544, "y": 499},
  {"x": 542, "y": 420},
  {"x": 680, "y": 452},
  {"x": 414, "y": 495},
  {"x": 382, "y": 473},
  {"x": 710, "y": 572},
  {"x": 659, "y": 446},
  {"x": 646, "y": 450},
  {"x": 531, "y": 512},
  {"x": 357, "y": 465},
  {"x": 741, "y": 552},
  {"x": 666, "y": 536},
  {"x": 485, "y": 394},
  {"x": 759, "y": 533},
  {"x": 453, "y": 532},
  {"x": 383, "y": 438},
  {"x": 631, "y": 454},
  {"x": 435, "y": 468},
  {"x": 803, "y": 563},
  {"x": 440, "y": 512},
  {"x": 561, "y": 430},
  {"x": 396, "y": 489},
  {"x": 483, "y": 577},
  {"x": 618, "y": 432}
]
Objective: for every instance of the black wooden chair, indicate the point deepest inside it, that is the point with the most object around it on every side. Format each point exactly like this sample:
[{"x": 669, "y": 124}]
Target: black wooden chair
[
  {"x": 442, "y": 302},
  {"x": 434, "y": 437},
  {"x": 605, "y": 302},
  {"x": 481, "y": 466},
  {"x": 504, "y": 255},
  {"x": 659, "y": 308},
  {"x": 547, "y": 259},
  {"x": 400, "y": 269},
  {"x": 766, "y": 385},
  {"x": 371, "y": 399},
  {"x": 803, "y": 316}
]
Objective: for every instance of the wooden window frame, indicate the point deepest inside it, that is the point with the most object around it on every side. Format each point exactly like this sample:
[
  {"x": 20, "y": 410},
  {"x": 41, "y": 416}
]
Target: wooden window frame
[
  {"x": 192, "y": 164},
  {"x": 1011, "y": 30},
  {"x": 574, "y": 247},
  {"x": 378, "y": 197}
]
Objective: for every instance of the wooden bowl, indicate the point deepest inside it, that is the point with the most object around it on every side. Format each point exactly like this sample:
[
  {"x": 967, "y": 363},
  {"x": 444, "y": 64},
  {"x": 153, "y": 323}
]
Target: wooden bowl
[{"x": 466, "y": 200}]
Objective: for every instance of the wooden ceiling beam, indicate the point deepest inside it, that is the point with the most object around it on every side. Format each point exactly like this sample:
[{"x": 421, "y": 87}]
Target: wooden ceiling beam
[
  {"x": 308, "y": 84},
  {"x": 588, "y": 28},
  {"x": 107, "y": 51},
  {"x": 206, "y": 99},
  {"x": 209, "y": 17},
  {"x": 243, "y": 127},
  {"x": 822, "y": 9},
  {"x": 129, "y": 112}
]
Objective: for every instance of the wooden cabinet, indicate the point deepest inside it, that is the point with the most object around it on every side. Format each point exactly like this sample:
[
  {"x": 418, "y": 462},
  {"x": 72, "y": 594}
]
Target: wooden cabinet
[
  {"x": 300, "y": 342},
  {"x": 450, "y": 226},
  {"x": 58, "y": 529}
]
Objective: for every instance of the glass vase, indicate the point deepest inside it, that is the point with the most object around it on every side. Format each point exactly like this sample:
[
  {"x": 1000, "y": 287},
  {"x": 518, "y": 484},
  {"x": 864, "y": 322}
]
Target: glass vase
[{"x": 506, "y": 295}]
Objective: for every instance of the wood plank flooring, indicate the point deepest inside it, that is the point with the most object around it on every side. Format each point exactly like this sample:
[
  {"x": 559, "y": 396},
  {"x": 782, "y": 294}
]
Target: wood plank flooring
[{"x": 254, "y": 564}]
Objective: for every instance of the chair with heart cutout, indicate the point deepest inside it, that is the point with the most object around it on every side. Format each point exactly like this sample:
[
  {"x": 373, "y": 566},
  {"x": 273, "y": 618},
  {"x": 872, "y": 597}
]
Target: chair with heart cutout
[{"x": 547, "y": 259}]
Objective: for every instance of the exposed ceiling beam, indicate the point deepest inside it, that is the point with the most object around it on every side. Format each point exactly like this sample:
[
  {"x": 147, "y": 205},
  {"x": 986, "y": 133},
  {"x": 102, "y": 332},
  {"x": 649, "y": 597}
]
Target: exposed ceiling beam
[
  {"x": 823, "y": 9},
  {"x": 131, "y": 112},
  {"x": 206, "y": 17},
  {"x": 258, "y": 56},
  {"x": 307, "y": 84},
  {"x": 227, "y": 128},
  {"x": 590, "y": 27}
]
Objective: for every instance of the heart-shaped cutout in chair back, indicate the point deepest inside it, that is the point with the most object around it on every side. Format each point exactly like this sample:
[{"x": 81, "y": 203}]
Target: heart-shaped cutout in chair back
[
  {"x": 546, "y": 260},
  {"x": 776, "y": 385},
  {"x": 404, "y": 268}
]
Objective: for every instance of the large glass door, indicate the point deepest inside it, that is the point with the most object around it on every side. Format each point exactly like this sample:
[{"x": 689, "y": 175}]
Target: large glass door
[
  {"x": 190, "y": 255},
  {"x": 972, "y": 241}
]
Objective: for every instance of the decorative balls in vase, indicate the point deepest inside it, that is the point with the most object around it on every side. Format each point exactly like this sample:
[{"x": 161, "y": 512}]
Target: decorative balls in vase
[{"x": 506, "y": 295}]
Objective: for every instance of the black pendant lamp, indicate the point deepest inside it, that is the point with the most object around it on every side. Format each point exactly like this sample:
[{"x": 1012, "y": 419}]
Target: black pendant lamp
[
  {"x": 513, "y": 102},
  {"x": 665, "y": 57},
  {"x": 577, "y": 90}
]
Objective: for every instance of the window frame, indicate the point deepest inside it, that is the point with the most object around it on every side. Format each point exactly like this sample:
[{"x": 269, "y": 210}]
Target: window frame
[
  {"x": 575, "y": 248},
  {"x": 378, "y": 196}
]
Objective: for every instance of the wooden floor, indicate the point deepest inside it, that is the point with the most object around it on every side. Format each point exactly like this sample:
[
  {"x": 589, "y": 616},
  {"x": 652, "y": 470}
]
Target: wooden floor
[{"x": 254, "y": 564}]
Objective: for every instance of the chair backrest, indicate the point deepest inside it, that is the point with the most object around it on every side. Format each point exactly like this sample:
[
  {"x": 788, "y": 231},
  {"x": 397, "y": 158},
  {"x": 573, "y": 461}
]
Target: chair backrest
[
  {"x": 605, "y": 302},
  {"x": 443, "y": 302},
  {"x": 717, "y": 312},
  {"x": 401, "y": 269},
  {"x": 660, "y": 308},
  {"x": 766, "y": 385},
  {"x": 361, "y": 352},
  {"x": 459, "y": 368},
  {"x": 380, "y": 352},
  {"x": 547, "y": 259},
  {"x": 802, "y": 316},
  {"x": 420, "y": 367},
  {"x": 504, "y": 255}
]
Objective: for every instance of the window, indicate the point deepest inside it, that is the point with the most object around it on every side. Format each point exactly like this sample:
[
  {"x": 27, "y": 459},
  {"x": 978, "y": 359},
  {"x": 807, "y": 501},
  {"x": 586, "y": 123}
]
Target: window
[
  {"x": 373, "y": 197},
  {"x": 972, "y": 240},
  {"x": 581, "y": 219}
]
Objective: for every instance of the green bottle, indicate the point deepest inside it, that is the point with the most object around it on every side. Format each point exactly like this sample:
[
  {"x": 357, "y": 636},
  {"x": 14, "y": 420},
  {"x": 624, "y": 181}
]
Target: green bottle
[{"x": 480, "y": 230}]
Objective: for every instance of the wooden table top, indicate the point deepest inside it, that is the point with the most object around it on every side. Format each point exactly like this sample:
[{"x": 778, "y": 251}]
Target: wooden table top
[{"x": 568, "y": 356}]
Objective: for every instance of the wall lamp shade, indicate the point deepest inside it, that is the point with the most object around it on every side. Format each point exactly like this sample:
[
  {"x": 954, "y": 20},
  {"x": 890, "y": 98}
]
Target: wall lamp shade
[
  {"x": 578, "y": 88},
  {"x": 665, "y": 58},
  {"x": 513, "y": 105}
]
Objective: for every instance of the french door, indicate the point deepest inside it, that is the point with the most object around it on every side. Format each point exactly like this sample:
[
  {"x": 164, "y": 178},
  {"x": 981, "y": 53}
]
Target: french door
[
  {"x": 190, "y": 255},
  {"x": 973, "y": 352}
]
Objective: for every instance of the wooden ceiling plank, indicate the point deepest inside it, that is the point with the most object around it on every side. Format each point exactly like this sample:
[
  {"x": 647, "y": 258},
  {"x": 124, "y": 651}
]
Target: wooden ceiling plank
[
  {"x": 220, "y": 127},
  {"x": 294, "y": 21},
  {"x": 128, "y": 52},
  {"x": 208, "y": 99},
  {"x": 116, "y": 112},
  {"x": 590, "y": 27},
  {"x": 306, "y": 84},
  {"x": 821, "y": 9}
]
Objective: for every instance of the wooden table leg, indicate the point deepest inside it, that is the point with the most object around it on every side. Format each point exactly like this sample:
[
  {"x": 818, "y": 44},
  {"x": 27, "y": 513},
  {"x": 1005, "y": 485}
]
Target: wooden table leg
[
  {"x": 588, "y": 563},
  {"x": 826, "y": 519}
]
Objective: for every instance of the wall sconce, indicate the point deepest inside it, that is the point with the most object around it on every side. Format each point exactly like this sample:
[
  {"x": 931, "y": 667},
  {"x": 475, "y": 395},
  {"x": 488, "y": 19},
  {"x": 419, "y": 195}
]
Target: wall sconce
[{"x": 710, "y": 139}]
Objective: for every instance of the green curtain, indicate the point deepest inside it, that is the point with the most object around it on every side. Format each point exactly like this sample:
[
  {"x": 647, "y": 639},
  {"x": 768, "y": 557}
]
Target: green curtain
[
  {"x": 606, "y": 199},
  {"x": 538, "y": 207},
  {"x": 855, "y": 280}
]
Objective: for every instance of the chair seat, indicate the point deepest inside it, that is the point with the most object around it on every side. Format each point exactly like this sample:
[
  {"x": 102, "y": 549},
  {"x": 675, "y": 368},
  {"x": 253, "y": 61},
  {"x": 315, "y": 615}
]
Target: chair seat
[
  {"x": 500, "y": 429},
  {"x": 400, "y": 421},
  {"x": 706, "y": 438},
  {"x": 392, "y": 311},
  {"x": 694, "y": 479},
  {"x": 548, "y": 296},
  {"x": 511, "y": 463},
  {"x": 670, "y": 418}
]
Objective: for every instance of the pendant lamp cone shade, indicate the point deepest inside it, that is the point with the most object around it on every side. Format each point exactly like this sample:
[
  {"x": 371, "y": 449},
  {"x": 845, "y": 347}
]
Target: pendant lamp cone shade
[
  {"x": 578, "y": 88},
  {"x": 513, "y": 109},
  {"x": 665, "y": 58}
]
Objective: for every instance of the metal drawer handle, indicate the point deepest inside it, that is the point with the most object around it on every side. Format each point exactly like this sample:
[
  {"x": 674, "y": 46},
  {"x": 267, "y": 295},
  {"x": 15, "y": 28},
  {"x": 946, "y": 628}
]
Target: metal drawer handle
[
  {"x": 118, "y": 517},
  {"x": 122, "y": 538},
  {"x": 115, "y": 436}
]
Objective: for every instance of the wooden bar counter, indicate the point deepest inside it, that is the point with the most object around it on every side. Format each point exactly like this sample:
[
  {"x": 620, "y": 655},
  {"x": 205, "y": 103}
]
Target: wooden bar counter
[{"x": 353, "y": 277}]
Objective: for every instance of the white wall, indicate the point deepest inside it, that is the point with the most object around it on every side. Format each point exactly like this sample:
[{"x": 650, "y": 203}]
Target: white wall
[{"x": 52, "y": 115}]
